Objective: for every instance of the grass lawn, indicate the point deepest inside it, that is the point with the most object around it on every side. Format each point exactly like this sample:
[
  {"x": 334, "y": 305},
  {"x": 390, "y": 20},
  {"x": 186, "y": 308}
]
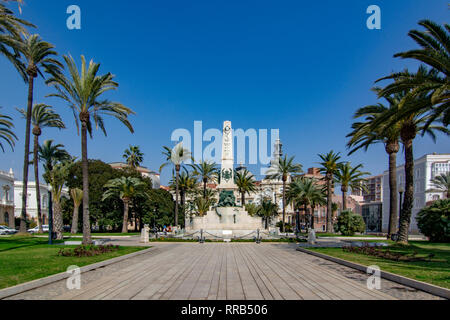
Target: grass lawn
[
  {"x": 326, "y": 235},
  {"x": 23, "y": 259},
  {"x": 437, "y": 273}
]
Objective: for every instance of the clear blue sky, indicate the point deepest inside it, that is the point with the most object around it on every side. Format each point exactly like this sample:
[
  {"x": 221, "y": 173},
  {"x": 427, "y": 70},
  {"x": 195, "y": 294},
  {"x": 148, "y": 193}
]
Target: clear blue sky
[{"x": 301, "y": 66}]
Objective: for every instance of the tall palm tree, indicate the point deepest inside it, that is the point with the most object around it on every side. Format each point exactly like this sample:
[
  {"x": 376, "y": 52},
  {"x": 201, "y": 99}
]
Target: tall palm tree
[
  {"x": 126, "y": 188},
  {"x": 282, "y": 170},
  {"x": 411, "y": 124},
  {"x": 42, "y": 116},
  {"x": 77, "y": 197},
  {"x": 176, "y": 157},
  {"x": 6, "y": 133},
  {"x": 329, "y": 166},
  {"x": 267, "y": 210},
  {"x": 38, "y": 55},
  {"x": 441, "y": 183},
  {"x": 82, "y": 91},
  {"x": 133, "y": 156},
  {"x": 434, "y": 52},
  {"x": 57, "y": 178},
  {"x": 51, "y": 154},
  {"x": 363, "y": 136},
  {"x": 206, "y": 171},
  {"x": 245, "y": 182},
  {"x": 350, "y": 178},
  {"x": 13, "y": 28}
]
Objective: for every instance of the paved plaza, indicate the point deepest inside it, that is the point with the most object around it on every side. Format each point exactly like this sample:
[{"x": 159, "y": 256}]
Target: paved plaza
[{"x": 233, "y": 271}]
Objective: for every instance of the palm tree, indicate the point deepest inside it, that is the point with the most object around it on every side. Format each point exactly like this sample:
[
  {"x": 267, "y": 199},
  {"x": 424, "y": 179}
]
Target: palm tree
[
  {"x": 6, "y": 132},
  {"x": 82, "y": 91},
  {"x": 245, "y": 182},
  {"x": 57, "y": 178},
  {"x": 441, "y": 183},
  {"x": 187, "y": 183},
  {"x": 363, "y": 136},
  {"x": 283, "y": 169},
  {"x": 267, "y": 210},
  {"x": 133, "y": 156},
  {"x": 42, "y": 116},
  {"x": 12, "y": 28},
  {"x": 410, "y": 124},
  {"x": 434, "y": 52},
  {"x": 206, "y": 171},
  {"x": 305, "y": 192},
  {"x": 176, "y": 157},
  {"x": 38, "y": 55},
  {"x": 126, "y": 188},
  {"x": 51, "y": 154},
  {"x": 349, "y": 177},
  {"x": 77, "y": 197},
  {"x": 202, "y": 205},
  {"x": 330, "y": 163}
]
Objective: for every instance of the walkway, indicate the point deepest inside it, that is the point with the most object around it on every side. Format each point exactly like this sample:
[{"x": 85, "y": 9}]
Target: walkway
[{"x": 235, "y": 271}]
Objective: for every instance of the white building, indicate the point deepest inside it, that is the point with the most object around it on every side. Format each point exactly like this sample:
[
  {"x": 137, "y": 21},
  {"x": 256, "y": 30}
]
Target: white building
[
  {"x": 7, "y": 198},
  {"x": 32, "y": 201},
  {"x": 145, "y": 172},
  {"x": 425, "y": 169}
]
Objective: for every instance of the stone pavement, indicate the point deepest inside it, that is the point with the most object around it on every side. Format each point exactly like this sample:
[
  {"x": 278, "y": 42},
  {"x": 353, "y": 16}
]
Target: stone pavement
[{"x": 233, "y": 271}]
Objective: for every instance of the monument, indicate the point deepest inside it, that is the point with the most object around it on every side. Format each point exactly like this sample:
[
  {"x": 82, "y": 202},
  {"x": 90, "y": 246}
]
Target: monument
[{"x": 225, "y": 220}]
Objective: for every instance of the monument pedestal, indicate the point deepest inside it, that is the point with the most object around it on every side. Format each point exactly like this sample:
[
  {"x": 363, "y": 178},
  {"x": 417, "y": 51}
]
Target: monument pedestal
[{"x": 233, "y": 219}]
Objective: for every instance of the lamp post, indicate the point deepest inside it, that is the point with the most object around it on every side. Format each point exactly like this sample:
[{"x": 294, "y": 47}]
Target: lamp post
[{"x": 50, "y": 218}]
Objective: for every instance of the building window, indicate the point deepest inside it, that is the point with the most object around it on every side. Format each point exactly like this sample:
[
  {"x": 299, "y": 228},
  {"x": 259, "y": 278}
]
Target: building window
[
  {"x": 7, "y": 218},
  {"x": 436, "y": 197}
]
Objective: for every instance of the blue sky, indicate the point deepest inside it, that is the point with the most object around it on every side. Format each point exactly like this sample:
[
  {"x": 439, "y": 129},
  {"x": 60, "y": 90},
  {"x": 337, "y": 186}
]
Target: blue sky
[{"x": 302, "y": 67}]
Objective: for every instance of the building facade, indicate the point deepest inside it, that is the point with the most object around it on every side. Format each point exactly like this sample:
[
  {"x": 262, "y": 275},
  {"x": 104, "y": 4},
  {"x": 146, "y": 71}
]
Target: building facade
[
  {"x": 31, "y": 200},
  {"x": 145, "y": 172},
  {"x": 7, "y": 198},
  {"x": 425, "y": 169}
]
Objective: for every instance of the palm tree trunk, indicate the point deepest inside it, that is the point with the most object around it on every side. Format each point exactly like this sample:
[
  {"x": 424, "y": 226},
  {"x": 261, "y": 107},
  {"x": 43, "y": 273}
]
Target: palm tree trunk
[
  {"x": 312, "y": 217},
  {"x": 57, "y": 219},
  {"x": 36, "y": 179},
  {"x": 393, "y": 201},
  {"x": 177, "y": 191},
  {"x": 85, "y": 168},
  {"x": 125, "y": 216},
  {"x": 26, "y": 160},
  {"x": 243, "y": 199},
  {"x": 284, "y": 202},
  {"x": 205, "y": 181},
  {"x": 405, "y": 216},
  {"x": 344, "y": 199},
  {"x": 329, "y": 206},
  {"x": 74, "y": 229}
]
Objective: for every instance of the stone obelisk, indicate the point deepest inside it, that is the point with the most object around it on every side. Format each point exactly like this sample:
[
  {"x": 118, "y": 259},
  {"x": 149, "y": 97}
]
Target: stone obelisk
[{"x": 227, "y": 168}]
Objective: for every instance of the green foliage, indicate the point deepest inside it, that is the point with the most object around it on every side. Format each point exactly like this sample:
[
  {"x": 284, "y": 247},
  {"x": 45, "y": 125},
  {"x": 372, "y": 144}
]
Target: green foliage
[
  {"x": 158, "y": 209},
  {"x": 251, "y": 208},
  {"x": 434, "y": 221},
  {"x": 287, "y": 226},
  {"x": 348, "y": 223},
  {"x": 104, "y": 213}
]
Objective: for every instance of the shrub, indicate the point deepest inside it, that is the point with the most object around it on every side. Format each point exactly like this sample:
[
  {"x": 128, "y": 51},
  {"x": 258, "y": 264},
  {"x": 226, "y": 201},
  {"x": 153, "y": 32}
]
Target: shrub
[
  {"x": 87, "y": 251},
  {"x": 348, "y": 223},
  {"x": 287, "y": 226},
  {"x": 434, "y": 221}
]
